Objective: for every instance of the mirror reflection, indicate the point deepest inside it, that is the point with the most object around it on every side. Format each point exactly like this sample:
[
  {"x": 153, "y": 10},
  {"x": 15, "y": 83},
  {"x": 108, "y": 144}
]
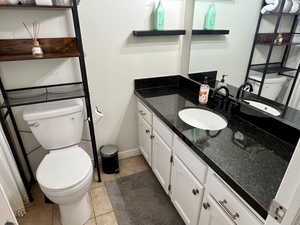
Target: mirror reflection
[{"x": 237, "y": 42}]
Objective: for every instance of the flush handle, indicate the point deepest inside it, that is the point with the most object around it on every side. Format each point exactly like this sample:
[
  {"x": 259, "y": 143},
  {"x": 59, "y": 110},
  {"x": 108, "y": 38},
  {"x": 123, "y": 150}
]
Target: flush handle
[{"x": 36, "y": 124}]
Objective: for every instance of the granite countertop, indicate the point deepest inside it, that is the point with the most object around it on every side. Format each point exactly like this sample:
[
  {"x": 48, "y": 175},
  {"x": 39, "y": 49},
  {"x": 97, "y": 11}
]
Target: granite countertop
[{"x": 253, "y": 167}]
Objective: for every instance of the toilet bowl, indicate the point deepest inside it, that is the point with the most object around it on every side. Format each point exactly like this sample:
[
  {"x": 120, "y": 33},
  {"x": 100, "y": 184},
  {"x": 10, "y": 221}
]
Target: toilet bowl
[
  {"x": 272, "y": 86},
  {"x": 65, "y": 174}
]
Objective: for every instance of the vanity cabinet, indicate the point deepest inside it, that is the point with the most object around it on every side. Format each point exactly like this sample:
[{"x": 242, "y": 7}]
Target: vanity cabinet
[
  {"x": 200, "y": 196},
  {"x": 161, "y": 166},
  {"x": 213, "y": 214},
  {"x": 186, "y": 192},
  {"x": 145, "y": 145}
]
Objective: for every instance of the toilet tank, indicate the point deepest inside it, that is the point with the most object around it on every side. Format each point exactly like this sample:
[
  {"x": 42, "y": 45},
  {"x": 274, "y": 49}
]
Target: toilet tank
[
  {"x": 56, "y": 125},
  {"x": 272, "y": 85}
]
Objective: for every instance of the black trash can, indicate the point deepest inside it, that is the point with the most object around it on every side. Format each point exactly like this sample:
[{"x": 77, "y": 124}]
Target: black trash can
[{"x": 110, "y": 160}]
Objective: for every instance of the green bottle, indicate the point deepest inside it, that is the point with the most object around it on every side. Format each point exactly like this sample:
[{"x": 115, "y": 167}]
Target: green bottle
[
  {"x": 210, "y": 18},
  {"x": 159, "y": 17}
]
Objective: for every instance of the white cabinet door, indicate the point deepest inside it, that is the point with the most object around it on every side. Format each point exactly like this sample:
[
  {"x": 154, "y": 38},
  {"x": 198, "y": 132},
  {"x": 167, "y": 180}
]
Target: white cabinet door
[
  {"x": 213, "y": 214},
  {"x": 6, "y": 213},
  {"x": 161, "y": 165},
  {"x": 186, "y": 192},
  {"x": 145, "y": 139}
]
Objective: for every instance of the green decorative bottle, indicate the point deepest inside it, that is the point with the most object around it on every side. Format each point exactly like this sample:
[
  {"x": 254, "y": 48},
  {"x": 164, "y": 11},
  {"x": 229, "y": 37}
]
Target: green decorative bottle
[
  {"x": 210, "y": 18},
  {"x": 159, "y": 17}
]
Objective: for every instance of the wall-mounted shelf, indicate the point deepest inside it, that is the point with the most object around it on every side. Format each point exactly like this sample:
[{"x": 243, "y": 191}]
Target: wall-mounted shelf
[
  {"x": 269, "y": 39},
  {"x": 35, "y": 6},
  {"x": 210, "y": 32},
  {"x": 143, "y": 33},
  {"x": 20, "y": 49},
  {"x": 41, "y": 94},
  {"x": 272, "y": 68}
]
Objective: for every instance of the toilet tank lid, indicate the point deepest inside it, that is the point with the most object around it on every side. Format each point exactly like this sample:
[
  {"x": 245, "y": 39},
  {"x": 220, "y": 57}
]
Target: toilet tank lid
[
  {"x": 270, "y": 78},
  {"x": 52, "y": 109}
]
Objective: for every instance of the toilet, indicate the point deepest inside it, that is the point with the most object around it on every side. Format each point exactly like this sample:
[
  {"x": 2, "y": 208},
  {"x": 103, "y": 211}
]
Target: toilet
[
  {"x": 65, "y": 174},
  {"x": 272, "y": 86}
]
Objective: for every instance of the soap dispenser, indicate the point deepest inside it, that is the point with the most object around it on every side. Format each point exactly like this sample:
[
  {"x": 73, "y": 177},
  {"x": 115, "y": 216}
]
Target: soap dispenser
[
  {"x": 222, "y": 83},
  {"x": 204, "y": 92}
]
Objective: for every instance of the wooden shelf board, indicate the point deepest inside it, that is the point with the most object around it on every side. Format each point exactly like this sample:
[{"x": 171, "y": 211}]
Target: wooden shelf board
[
  {"x": 21, "y": 49},
  {"x": 36, "y": 6},
  {"x": 30, "y": 57}
]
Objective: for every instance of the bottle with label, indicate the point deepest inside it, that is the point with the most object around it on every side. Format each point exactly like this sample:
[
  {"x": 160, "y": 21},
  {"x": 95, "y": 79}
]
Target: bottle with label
[
  {"x": 159, "y": 17},
  {"x": 204, "y": 92},
  {"x": 210, "y": 18}
]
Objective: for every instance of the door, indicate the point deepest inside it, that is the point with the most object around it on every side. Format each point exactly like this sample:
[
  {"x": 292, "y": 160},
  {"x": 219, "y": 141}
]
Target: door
[
  {"x": 213, "y": 214},
  {"x": 186, "y": 193},
  {"x": 145, "y": 139},
  {"x": 288, "y": 195},
  {"x": 161, "y": 165},
  {"x": 6, "y": 214}
]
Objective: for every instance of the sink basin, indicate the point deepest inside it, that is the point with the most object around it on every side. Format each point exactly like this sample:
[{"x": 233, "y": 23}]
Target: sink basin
[
  {"x": 264, "y": 107},
  {"x": 202, "y": 119}
]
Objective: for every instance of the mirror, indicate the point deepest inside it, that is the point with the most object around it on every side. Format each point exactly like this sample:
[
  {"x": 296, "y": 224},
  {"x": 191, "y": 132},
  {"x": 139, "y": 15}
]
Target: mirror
[{"x": 235, "y": 55}]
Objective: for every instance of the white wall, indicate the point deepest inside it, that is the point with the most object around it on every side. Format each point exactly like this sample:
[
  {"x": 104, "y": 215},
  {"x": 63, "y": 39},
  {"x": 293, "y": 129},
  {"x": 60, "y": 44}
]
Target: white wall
[{"x": 114, "y": 59}]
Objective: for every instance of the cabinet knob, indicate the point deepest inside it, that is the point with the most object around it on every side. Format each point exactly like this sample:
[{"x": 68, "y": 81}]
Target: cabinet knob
[
  {"x": 195, "y": 191},
  {"x": 147, "y": 131},
  {"x": 152, "y": 136},
  {"x": 142, "y": 113},
  {"x": 206, "y": 205}
]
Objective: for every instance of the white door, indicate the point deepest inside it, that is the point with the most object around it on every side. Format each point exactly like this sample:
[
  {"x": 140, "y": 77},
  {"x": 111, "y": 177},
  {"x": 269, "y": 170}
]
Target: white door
[
  {"x": 288, "y": 195},
  {"x": 186, "y": 193},
  {"x": 161, "y": 165},
  {"x": 213, "y": 214},
  {"x": 6, "y": 214},
  {"x": 145, "y": 139}
]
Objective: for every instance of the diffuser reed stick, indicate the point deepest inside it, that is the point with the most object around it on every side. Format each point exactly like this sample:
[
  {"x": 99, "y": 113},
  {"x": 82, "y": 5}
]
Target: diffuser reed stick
[{"x": 36, "y": 50}]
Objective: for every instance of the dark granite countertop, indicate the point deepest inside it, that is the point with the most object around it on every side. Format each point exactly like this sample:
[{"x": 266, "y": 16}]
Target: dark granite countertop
[{"x": 253, "y": 167}]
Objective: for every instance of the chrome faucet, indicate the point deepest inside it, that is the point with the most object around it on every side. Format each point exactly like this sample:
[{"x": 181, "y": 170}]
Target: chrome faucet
[{"x": 244, "y": 87}]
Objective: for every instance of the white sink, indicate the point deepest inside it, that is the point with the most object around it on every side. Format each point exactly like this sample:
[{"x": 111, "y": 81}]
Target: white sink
[
  {"x": 202, "y": 119},
  {"x": 264, "y": 107}
]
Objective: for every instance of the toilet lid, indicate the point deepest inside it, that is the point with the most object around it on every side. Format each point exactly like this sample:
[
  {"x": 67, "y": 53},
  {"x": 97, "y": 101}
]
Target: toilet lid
[{"x": 63, "y": 169}]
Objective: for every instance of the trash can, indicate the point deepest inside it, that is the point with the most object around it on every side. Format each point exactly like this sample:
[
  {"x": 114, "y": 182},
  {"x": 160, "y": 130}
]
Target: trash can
[{"x": 110, "y": 160}]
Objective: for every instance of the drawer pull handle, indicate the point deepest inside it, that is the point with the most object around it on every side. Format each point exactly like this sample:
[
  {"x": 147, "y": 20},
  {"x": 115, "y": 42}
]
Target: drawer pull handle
[
  {"x": 142, "y": 113},
  {"x": 234, "y": 216},
  {"x": 147, "y": 131},
  {"x": 195, "y": 191},
  {"x": 206, "y": 205}
]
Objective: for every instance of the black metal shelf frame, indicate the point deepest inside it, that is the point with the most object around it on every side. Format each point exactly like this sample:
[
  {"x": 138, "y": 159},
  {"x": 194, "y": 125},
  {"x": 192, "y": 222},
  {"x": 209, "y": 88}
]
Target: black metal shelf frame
[
  {"x": 280, "y": 67},
  {"x": 81, "y": 91}
]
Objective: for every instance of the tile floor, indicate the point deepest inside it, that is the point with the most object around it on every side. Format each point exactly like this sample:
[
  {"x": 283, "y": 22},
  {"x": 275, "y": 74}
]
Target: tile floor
[{"x": 40, "y": 213}]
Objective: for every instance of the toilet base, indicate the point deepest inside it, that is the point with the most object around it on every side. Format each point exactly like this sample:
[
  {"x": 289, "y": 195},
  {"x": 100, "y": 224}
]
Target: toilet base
[{"x": 77, "y": 213}]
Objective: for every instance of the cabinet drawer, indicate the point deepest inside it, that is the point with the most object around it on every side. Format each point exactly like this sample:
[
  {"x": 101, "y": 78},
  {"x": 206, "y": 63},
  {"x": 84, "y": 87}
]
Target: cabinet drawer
[
  {"x": 144, "y": 112},
  {"x": 238, "y": 211},
  {"x": 163, "y": 131},
  {"x": 190, "y": 159}
]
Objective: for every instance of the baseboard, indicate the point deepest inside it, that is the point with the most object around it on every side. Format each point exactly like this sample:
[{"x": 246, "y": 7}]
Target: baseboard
[{"x": 129, "y": 153}]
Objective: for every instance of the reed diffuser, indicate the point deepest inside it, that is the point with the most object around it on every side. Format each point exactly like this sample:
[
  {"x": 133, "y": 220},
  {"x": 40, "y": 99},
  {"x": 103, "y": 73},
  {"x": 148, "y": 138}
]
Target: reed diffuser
[{"x": 37, "y": 50}]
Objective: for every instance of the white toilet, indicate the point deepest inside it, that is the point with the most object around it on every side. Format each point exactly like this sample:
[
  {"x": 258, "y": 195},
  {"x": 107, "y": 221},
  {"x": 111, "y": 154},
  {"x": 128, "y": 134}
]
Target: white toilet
[
  {"x": 65, "y": 174},
  {"x": 272, "y": 85}
]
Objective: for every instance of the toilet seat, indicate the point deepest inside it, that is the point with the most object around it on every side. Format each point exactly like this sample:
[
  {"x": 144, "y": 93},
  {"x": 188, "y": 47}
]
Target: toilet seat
[{"x": 64, "y": 169}]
